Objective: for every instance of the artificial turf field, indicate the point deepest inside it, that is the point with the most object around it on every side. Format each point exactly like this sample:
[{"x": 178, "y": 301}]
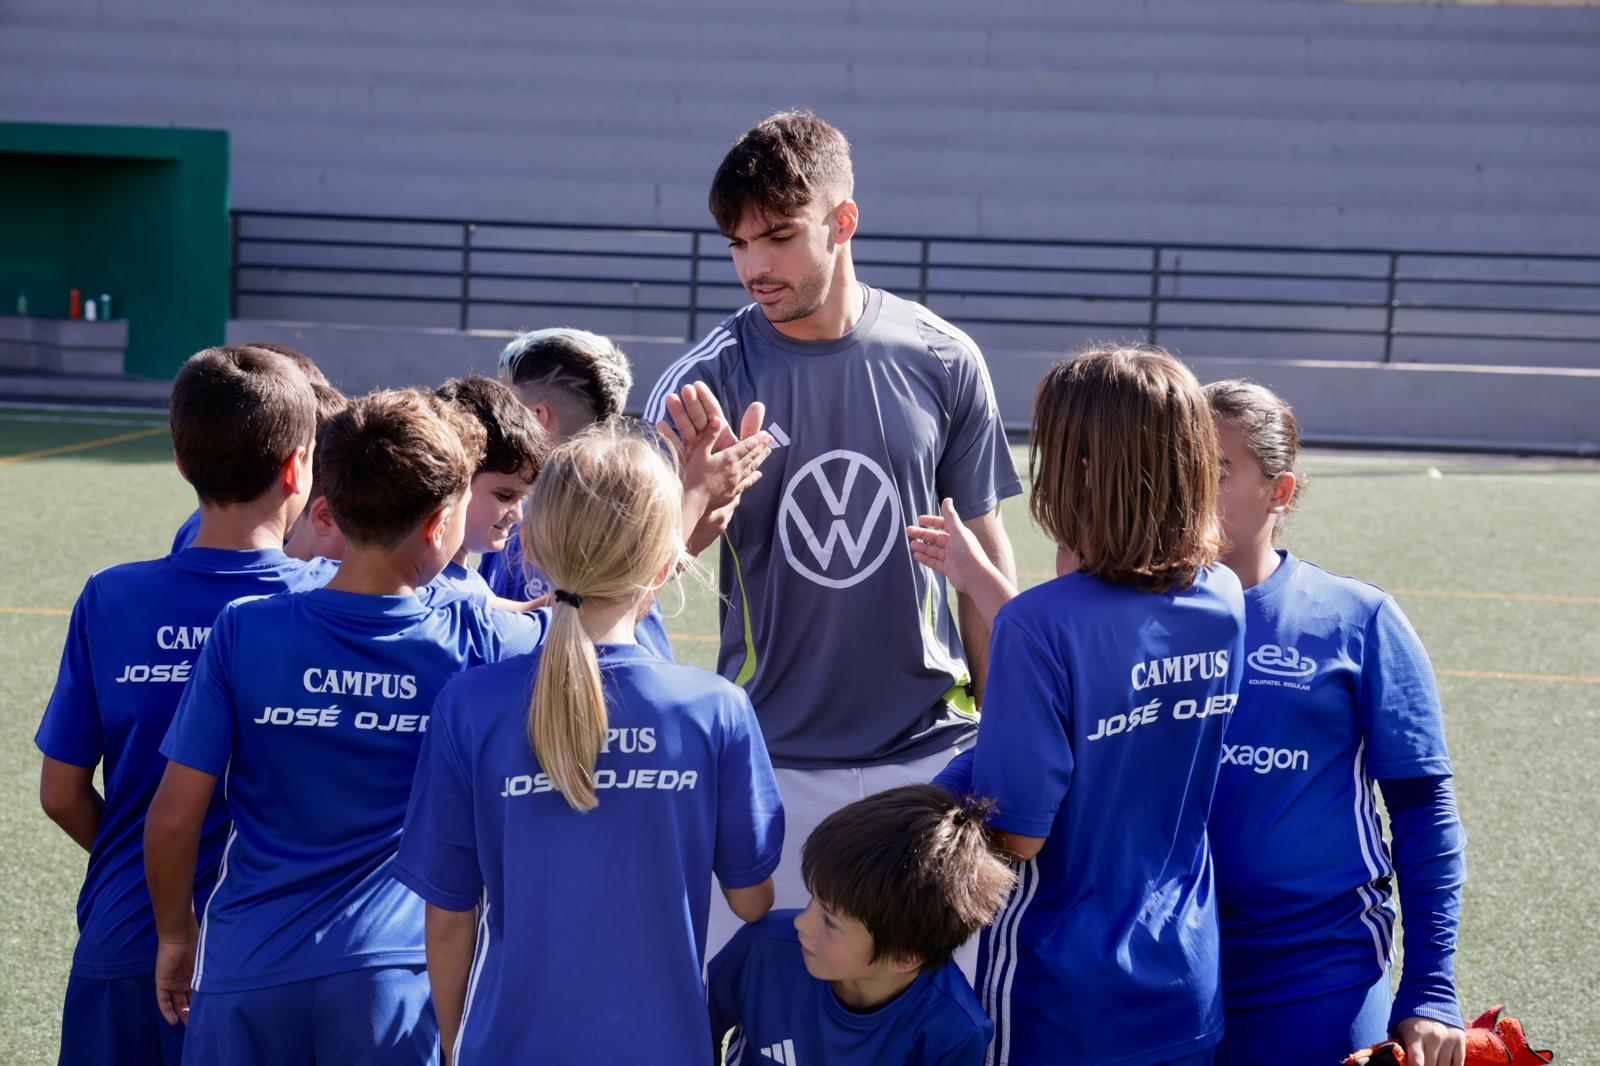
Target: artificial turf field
[{"x": 1497, "y": 562}]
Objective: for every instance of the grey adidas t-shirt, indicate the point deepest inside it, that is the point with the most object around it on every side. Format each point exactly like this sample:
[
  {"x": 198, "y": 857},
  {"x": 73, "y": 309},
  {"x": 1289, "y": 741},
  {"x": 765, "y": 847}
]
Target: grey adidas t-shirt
[{"x": 847, "y": 646}]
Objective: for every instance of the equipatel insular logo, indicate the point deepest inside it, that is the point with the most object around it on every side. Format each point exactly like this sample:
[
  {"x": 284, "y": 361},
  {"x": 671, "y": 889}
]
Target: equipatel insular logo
[
  {"x": 855, "y": 504},
  {"x": 1281, "y": 662}
]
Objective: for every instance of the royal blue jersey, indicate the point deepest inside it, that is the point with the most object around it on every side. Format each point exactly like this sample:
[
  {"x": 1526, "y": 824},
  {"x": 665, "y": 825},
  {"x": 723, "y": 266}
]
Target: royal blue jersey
[
  {"x": 186, "y": 532},
  {"x": 759, "y": 982},
  {"x": 508, "y": 574},
  {"x": 592, "y": 926},
  {"x": 135, "y": 634},
  {"x": 1102, "y": 732},
  {"x": 455, "y": 582},
  {"x": 312, "y": 708},
  {"x": 1338, "y": 692}
]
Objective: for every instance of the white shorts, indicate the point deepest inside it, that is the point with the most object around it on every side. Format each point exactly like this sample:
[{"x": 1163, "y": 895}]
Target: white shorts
[{"x": 809, "y": 796}]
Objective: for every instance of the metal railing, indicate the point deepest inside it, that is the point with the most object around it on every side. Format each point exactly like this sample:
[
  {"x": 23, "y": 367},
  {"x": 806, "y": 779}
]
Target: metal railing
[{"x": 462, "y": 270}]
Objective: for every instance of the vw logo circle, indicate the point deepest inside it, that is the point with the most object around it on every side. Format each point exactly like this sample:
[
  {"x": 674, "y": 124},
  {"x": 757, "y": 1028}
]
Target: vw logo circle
[{"x": 834, "y": 475}]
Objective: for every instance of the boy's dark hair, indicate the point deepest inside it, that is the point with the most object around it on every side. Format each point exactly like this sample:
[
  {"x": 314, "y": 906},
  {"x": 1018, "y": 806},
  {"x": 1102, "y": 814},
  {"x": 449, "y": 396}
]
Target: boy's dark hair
[
  {"x": 914, "y": 866},
  {"x": 515, "y": 443},
  {"x": 574, "y": 364},
  {"x": 237, "y": 415},
  {"x": 391, "y": 458},
  {"x": 779, "y": 166},
  {"x": 330, "y": 401},
  {"x": 312, "y": 371}
]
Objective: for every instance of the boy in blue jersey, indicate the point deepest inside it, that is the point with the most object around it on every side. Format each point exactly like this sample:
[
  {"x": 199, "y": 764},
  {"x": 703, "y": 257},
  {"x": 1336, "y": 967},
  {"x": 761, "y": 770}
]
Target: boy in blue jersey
[
  {"x": 515, "y": 450},
  {"x": 330, "y": 401},
  {"x": 571, "y": 808},
  {"x": 242, "y": 425},
  {"x": 864, "y": 974},
  {"x": 1109, "y": 690},
  {"x": 313, "y": 707}
]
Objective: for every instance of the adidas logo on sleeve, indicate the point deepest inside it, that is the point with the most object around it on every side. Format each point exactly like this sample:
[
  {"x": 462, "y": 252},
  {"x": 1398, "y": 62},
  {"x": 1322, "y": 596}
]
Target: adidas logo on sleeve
[{"x": 781, "y": 1052}]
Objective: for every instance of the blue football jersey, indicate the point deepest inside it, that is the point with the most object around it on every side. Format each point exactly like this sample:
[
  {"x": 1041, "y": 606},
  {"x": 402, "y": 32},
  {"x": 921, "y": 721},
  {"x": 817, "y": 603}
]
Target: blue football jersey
[
  {"x": 313, "y": 708},
  {"x": 592, "y": 926},
  {"x": 1338, "y": 692},
  {"x": 1102, "y": 732},
  {"x": 455, "y": 582},
  {"x": 759, "y": 982},
  {"x": 508, "y": 575},
  {"x": 135, "y": 634}
]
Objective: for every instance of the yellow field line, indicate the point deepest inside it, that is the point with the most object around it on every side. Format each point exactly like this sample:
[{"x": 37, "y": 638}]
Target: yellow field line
[
  {"x": 48, "y": 612},
  {"x": 101, "y": 442},
  {"x": 1502, "y": 675}
]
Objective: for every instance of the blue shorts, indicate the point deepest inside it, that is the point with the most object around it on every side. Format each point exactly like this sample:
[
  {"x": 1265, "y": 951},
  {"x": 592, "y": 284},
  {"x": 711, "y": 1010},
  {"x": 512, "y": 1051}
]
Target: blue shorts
[
  {"x": 377, "y": 1017},
  {"x": 1322, "y": 1029},
  {"x": 117, "y": 1023}
]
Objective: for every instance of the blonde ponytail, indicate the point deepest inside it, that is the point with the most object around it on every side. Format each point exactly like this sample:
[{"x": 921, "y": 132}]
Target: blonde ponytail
[{"x": 603, "y": 522}]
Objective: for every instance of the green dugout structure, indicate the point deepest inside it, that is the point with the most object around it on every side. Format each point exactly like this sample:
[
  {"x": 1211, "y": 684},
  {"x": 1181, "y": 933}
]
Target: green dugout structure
[{"x": 139, "y": 213}]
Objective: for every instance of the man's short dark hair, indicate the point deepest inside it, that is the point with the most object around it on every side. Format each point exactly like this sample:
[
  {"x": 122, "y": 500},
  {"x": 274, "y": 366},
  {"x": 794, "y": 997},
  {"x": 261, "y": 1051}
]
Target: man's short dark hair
[
  {"x": 515, "y": 442},
  {"x": 574, "y": 364},
  {"x": 780, "y": 166},
  {"x": 237, "y": 415},
  {"x": 914, "y": 866},
  {"x": 391, "y": 458}
]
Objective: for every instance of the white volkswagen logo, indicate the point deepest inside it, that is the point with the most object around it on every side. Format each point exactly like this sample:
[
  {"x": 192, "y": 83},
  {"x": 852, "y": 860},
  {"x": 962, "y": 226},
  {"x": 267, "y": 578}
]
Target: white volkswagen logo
[{"x": 834, "y": 475}]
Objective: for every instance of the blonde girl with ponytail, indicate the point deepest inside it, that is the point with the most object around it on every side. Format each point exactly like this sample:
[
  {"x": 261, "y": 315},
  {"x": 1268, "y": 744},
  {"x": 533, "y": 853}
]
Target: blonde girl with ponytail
[{"x": 572, "y": 807}]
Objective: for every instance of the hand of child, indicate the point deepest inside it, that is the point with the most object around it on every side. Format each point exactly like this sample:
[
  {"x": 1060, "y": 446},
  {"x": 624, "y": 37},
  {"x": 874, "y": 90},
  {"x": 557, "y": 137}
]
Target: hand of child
[
  {"x": 944, "y": 544},
  {"x": 174, "y": 973},
  {"x": 1430, "y": 1043}
]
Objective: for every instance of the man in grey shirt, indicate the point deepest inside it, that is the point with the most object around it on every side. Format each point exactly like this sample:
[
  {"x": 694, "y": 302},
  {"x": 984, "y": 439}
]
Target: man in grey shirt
[{"x": 877, "y": 410}]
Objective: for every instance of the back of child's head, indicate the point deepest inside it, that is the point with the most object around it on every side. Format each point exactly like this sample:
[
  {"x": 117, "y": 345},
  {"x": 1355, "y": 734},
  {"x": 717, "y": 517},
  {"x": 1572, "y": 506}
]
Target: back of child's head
[
  {"x": 1266, "y": 424},
  {"x": 237, "y": 415},
  {"x": 581, "y": 376},
  {"x": 604, "y": 524},
  {"x": 311, "y": 370},
  {"x": 914, "y": 866},
  {"x": 515, "y": 443},
  {"x": 391, "y": 458},
  {"x": 1124, "y": 467}
]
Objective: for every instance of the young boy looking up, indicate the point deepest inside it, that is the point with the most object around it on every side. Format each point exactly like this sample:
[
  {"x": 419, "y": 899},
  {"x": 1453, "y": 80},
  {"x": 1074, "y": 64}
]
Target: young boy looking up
[
  {"x": 898, "y": 881},
  {"x": 315, "y": 706},
  {"x": 242, "y": 423},
  {"x": 513, "y": 456}
]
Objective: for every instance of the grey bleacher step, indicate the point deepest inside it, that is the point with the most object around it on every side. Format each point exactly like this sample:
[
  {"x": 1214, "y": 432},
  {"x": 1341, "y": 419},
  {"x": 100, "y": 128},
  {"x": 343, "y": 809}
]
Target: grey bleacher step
[
  {"x": 626, "y": 202},
  {"x": 204, "y": 100},
  {"x": 95, "y": 389},
  {"x": 1285, "y": 53}
]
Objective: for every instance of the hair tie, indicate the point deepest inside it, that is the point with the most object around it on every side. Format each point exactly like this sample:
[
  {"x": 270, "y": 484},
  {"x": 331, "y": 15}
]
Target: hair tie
[{"x": 563, "y": 596}]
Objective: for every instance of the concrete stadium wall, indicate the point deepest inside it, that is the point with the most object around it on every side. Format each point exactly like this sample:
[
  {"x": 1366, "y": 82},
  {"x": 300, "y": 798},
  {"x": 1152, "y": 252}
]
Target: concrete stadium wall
[
  {"x": 1260, "y": 121},
  {"x": 1538, "y": 410}
]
